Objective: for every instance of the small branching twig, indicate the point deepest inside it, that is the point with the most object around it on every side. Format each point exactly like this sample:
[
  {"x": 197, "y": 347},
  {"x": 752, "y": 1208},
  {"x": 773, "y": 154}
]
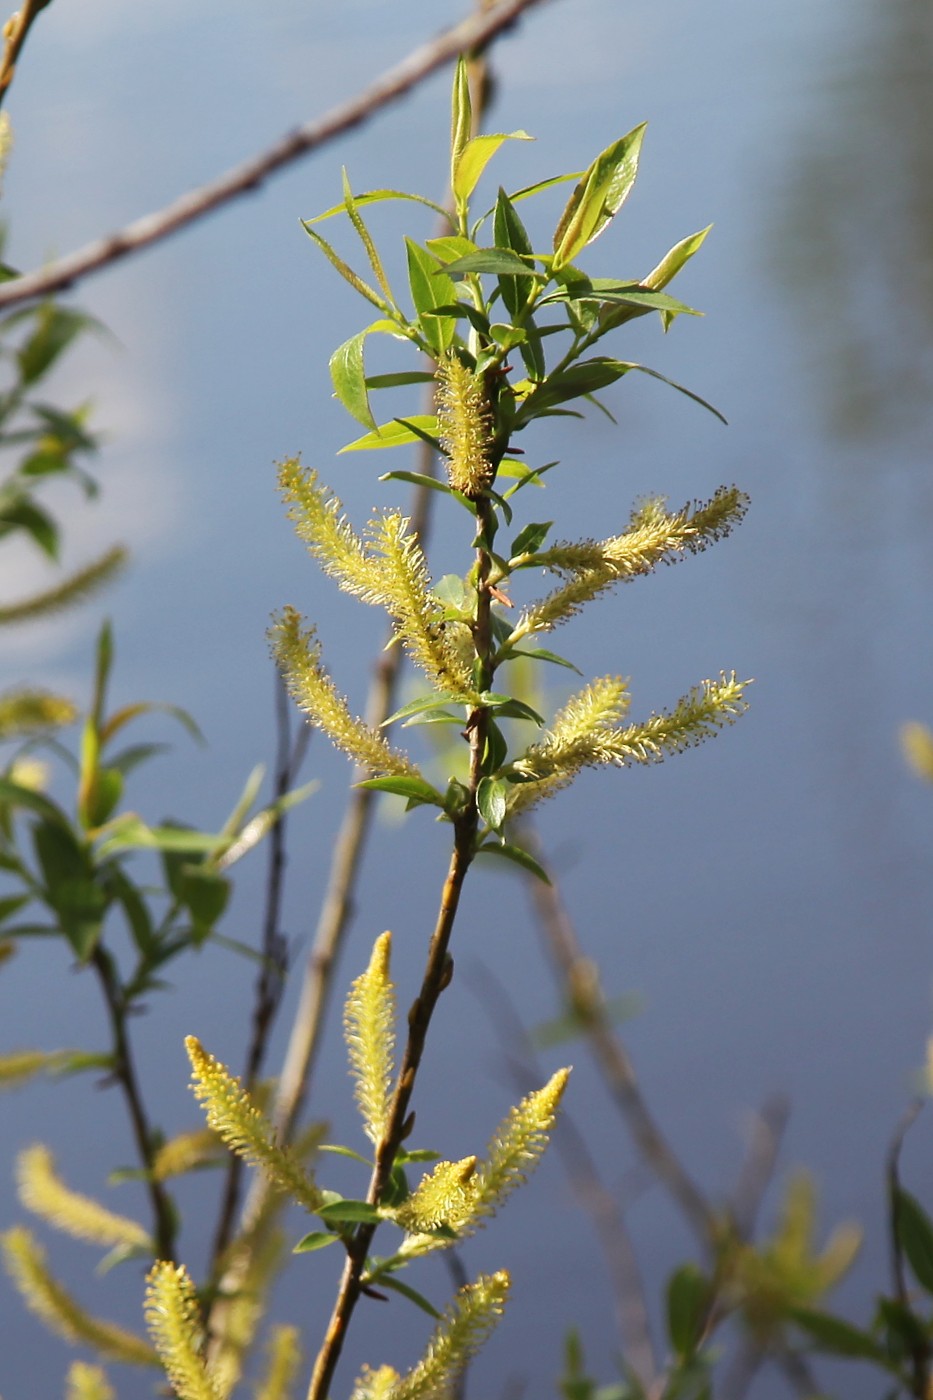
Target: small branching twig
[
  {"x": 14, "y": 36},
  {"x": 574, "y": 972},
  {"x": 124, "y": 1072},
  {"x": 471, "y": 33}
]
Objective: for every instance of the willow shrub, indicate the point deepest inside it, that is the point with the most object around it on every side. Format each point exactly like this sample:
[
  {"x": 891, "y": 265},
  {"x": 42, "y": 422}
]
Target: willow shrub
[{"x": 504, "y": 336}]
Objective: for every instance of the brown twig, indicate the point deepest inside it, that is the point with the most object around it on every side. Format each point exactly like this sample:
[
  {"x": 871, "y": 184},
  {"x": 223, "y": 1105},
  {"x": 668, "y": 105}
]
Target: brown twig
[
  {"x": 599, "y": 1203},
  {"x": 471, "y": 33},
  {"x": 270, "y": 980},
  {"x": 757, "y": 1169},
  {"x": 577, "y": 978},
  {"x": 124, "y": 1073},
  {"x": 14, "y": 35},
  {"x": 437, "y": 973}
]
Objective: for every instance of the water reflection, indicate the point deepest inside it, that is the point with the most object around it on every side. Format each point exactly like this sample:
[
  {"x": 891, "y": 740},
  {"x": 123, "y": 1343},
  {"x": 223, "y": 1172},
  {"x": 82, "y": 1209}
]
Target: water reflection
[{"x": 857, "y": 245}]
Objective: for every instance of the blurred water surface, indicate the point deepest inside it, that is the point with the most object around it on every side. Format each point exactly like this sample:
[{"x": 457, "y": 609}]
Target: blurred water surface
[{"x": 768, "y": 895}]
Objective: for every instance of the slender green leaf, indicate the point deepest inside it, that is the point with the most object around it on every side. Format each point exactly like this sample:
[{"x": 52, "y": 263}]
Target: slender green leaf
[
  {"x": 394, "y": 434},
  {"x": 529, "y": 540},
  {"x": 835, "y": 1335},
  {"x": 461, "y": 117},
  {"x": 345, "y": 1212},
  {"x": 497, "y": 260},
  {"x": 915, "y": 1236},
  {"x": 669, "y": 266},
  {"x": 687, "y": 1301},
  {"x": 415, "y": 789},
  {"x": 473, "y": 159},
  {"x": 417, "y": 707},
  {"x": 377, "y": 197},
  {"x": 491, "y": 801},
  {"x": 597, "y": 197},
  {"x": 317, "y": 1239},
  {"x": 346, "y": 272},
  {"x": 430, "y": 289},
  {"x": 406, "y": 1290},
  {"x": 348, "y": 375},
  {"x": 508, "y": 851}
]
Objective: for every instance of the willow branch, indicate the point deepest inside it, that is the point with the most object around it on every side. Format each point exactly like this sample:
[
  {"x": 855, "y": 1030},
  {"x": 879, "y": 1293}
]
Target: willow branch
[
  {"x": 124, "y": 1072},
  {"x": 575, "y": 976},
  {"x": 14, "y": 35},
  {"x": 471, "y": 33},
  {"x": 436, "y": 977}
]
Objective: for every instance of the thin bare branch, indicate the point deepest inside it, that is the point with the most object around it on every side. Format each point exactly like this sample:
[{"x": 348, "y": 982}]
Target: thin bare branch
[
  {"x": 757, "y": 1169},
  {"x": 576, "y": 978},
  {"x": 599, "y": 1203},
  {"x": 472, "y": 33}
]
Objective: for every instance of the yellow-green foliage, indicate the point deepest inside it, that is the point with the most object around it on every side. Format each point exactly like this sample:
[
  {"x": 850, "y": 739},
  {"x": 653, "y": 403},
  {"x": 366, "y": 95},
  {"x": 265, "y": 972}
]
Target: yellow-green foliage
[
  {"x": 461, "y": 1195},
  {"x": 282, "y": 1367},
  {"x": 186, "y": 1153},
  {"x": 584, "y": 733},
  {"x": 917, "y": 743},
  {"x": 48, "y": 1299},
  {"x": 368, "y": 1023},
  {"x": 388, "y": 569},
  {"x": 25, "y": 711},
  {"x": 19, "y": 1066},
  {"x": 787, "y": 1272},
  {"x": 462, "y": 1331},
  {"x": 464, "y": 426},
  {"x": 298, "y": 655},
  {"x": 80, "y": 586},
  {"x": 233, "y": 1116},
  {"x": 446, "y": 1196},
  {"x": 85, "y": 1382},
  {"x": 43, "y": 1192},
  {"x": 654, "y": 536},
  {"x": 174, "y": 1323}
]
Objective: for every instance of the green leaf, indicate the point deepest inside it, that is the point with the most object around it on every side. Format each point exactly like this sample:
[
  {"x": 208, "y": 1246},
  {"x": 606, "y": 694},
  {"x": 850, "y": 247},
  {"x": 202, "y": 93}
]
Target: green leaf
[
  {"x": 317, "y": 1239},
  {"x": 406, "y": 1290},
  {"x": 687, "y": 1300},
  {"x": 394, "y": 434},
  {"x": 681, "y": 390},
  {"x": 419, "y": 706},
  {"x": 518, "y": 856},
  {"x": 348, "y": 375},
  {"x": 529, "y": 540},
  {"x": 597, "y": 197},
  {"x": 461, "y": 116},
  {"x": 56, "y": 328},
  {"x": 377, "y": 197},
  {"x": 365, "y": 238},
  {"x": 497, "y": 260},
  {"x": 105, "y": 792},
  {"x": 510, "y": 233},
  {"x": 12, "y": 904},
  {"x": 347, "y": 1212},
  {"x": 540, "y": 654},
  {"x": 32, "y": 520},
  {"x": 450, "y": 246},
  {"x": 396, "y": 381},
  {"x": 71, "y": 891},
  {"x": 473, "y": 159},
  {"x": 669, "y": 266},
  {"x": 206, "y": 894},
  {"x": 430, "y": 289},
  {"x": 835, "y": 1335},
  {"x": 508, "y": 706},
  {"x": 346, "y": 272},
  {"x": 491, "y": 801},
  {"x": 915, "y": 1235},
  {"x": 339, "y": 1150},
  {"x": 415, "y": 789},
  {"x": 630, "y": 294},
  {"x": 13, "y": 795}
]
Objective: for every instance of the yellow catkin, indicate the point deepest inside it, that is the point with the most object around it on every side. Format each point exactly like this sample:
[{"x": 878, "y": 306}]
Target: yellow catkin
[{"x": 464, "y": 423}]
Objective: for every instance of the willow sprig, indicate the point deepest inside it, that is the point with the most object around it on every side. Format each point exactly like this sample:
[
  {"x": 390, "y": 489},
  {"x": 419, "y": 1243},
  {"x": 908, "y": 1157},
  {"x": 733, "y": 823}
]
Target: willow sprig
[
  {"x": 298, "y": 655},
  {"x": 368, "y": 1026},
  {"x": 43, "y": 1295},
  {"x": 85, "y": 1382},
  {"x": 654, "y": 536},
  {"x": 174, "y": 1322},
  {"x": 464, "y": 1327},
  {"x": 284, "y": 1358},
  {"x": 43, "y": 1192},
  {"x": 232, "y": 1114}
]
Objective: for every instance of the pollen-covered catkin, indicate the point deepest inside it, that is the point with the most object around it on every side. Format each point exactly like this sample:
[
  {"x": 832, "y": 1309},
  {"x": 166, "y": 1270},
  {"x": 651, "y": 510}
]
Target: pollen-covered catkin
[{"x": 464, "y": 421}]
